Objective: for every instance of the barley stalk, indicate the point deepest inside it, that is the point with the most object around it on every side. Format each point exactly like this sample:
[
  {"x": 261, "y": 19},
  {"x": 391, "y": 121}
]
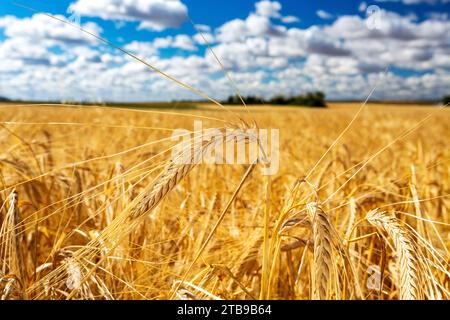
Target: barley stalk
[
  {"x": 10, "y": 242},
  {"x": 175, "y": 172},
  {"x": 407, "y": 263},
  {"x": 9, "y": 288},
  {"x": 164, "y": 184},
  {"x": 322, "y": 261}
]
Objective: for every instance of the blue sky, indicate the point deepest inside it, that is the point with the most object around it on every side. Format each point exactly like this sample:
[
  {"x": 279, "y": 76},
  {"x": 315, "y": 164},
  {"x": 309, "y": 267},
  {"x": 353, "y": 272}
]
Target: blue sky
[{"x": 269, "y": 47}]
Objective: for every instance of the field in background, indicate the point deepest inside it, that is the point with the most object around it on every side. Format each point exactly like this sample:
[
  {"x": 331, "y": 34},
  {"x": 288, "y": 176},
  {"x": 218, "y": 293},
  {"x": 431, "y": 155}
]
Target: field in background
[{"x": 77, "y": 169}]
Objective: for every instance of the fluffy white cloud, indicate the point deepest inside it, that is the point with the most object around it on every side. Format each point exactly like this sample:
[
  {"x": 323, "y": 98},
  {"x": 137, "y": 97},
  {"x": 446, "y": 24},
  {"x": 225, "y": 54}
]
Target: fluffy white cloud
[
  {"x": 41, "y": 28},
  {"x": 143, "y": 49},
  {"x": 148, "y": 49},
  {"x": 254, "y": 25},
  {"x": 268, "y": 8},
  {"x": 271, "y": 9},
  {"x": 262, "y": 26},
  {"x": 233, "y": 30},
  {"x": 290, "y": 19},
  {"x": 24, "y": 52},
  {"x": 152, "y": 14},
  {"x": 201, "y": 37},
  {"x": 324, "y": 15},
  {"x": 32, "y": 42},
  {"x": 438, "y": 15},
  {"x": 400, "y": 41},
  {"x": 362, "y": 6},
  {"x": 184, "y": 42}
]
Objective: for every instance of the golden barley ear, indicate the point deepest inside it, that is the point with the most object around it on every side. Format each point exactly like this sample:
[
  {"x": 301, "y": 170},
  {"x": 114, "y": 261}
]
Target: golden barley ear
[
  {"x": 408, "y": 266},
  {"x": 177, "y": 170},
  {"x": 11, "y": 254},
  {"x": 323, "y": 252}
]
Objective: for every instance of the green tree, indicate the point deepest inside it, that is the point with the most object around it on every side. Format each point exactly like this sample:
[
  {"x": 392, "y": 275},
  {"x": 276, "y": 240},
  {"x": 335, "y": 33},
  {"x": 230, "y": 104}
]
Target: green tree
[
  {"x": 446, "y": 100},
  {"x": 279, "y": 100},
  {"x": 311, "y": 99}
]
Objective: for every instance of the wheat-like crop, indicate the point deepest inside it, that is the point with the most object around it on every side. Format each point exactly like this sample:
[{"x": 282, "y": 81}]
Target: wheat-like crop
[
  {"x": 323, "y": 251},
  {"x": 11, "y": 247},
  {"x": 110, "y": 229},
  {"x": 164, "y": 184},
  {"x": 407, "y": 261},
  {"x": 176, "y": 171}
]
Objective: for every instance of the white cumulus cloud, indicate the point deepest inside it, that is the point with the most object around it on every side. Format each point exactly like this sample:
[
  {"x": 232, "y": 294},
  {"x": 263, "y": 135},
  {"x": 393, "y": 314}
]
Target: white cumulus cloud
[
  {"x": 268, "y": 8},
  {"x": 152, "y": 14},
  {"x": 324, "y": 15}
]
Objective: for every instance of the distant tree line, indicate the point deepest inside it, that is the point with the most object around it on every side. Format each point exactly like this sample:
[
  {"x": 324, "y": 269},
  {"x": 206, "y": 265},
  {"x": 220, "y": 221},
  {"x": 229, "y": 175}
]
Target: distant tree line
[
  {"x": 446, "y": 100},
  {"x": 310, "y": 99}
]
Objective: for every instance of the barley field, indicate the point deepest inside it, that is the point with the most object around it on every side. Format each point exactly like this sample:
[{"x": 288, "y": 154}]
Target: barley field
[{"x": 91, "y": 207}]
